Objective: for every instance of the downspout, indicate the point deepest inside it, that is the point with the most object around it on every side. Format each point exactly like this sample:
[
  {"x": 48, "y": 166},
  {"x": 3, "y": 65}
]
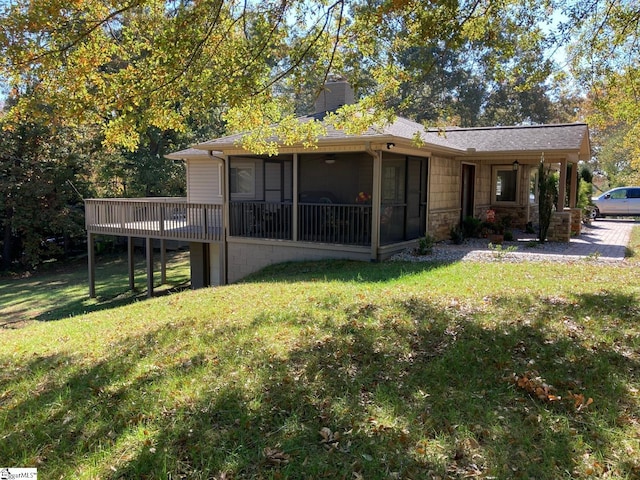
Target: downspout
[{"x": 375, "y": 200}]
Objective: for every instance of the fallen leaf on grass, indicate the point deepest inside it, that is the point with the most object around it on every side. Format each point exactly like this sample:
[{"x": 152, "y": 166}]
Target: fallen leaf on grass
[
  {"x": 275, "y": 456},
  {"x": 329, "y": 439}
]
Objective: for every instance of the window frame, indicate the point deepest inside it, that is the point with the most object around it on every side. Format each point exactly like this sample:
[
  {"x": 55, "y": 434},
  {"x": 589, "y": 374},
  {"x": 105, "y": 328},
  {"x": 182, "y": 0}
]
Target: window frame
[
  {"x": 245, "y": 166},
  {"x": 494, "y": 184}
]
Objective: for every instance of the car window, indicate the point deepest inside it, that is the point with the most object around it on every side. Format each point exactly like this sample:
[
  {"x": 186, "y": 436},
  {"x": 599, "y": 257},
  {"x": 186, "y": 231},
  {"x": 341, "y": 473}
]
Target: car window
[
  {"x": 618, "y": 194},
  {"x": 633, "y": 193}
]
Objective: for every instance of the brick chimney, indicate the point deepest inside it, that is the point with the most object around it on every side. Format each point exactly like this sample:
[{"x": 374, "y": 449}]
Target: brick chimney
[{"x": 334, "y": 94}]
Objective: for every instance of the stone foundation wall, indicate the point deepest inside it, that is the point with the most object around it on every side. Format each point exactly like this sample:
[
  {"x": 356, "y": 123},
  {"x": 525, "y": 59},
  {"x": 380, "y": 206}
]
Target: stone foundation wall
[
  {"x": 441, "y": 223},
  {"x": 560, "y": 227}
]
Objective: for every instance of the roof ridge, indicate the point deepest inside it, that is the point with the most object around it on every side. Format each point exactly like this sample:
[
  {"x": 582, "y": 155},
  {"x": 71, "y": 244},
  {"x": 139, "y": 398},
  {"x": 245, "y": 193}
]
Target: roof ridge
[{"x": 505, "y": 127}]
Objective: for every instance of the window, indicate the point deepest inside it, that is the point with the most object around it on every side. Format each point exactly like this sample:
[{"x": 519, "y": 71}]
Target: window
[
  {"x": 392, "y": 184},
  {"x": 619, "y": 194},
  {"x": 633, "y": 193},
  {"x": 505, "y": 184},
  {"x": 242, "y": 181}
]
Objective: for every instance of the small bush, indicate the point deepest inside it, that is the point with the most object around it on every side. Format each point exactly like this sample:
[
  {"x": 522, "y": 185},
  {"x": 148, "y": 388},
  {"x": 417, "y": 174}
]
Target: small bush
[
  {"x": 457, "y": 235},
  {"x": 508, "y": 236},
  {"x": 425, "y": 245},
  {"x": 471, "y": 227}
]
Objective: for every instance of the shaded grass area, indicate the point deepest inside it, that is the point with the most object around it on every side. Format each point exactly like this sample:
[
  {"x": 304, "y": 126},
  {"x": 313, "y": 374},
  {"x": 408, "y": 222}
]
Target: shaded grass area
[
  {"x": 339, "y": 370},
  {"x": 60, "y": 291}
]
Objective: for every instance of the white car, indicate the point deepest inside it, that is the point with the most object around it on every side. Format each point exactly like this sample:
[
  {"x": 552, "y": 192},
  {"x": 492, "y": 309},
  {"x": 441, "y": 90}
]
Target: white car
[{"x": 621, "y": 201}]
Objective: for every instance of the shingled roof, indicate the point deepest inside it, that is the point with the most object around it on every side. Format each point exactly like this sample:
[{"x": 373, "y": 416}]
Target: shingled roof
[{"x": 460, "y": 141}]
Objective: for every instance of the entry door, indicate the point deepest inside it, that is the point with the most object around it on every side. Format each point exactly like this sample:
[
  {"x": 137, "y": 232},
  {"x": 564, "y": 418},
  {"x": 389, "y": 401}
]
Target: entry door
[{"x": 467, "y": 191}]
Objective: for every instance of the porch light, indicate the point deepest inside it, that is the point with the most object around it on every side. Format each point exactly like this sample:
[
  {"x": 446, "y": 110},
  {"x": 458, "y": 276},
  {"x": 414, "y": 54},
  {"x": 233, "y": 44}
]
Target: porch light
[
  {"x": 330, "y": 161},
  {"x": 390, "y": 145},
  {"x": 515, "y": 165}
]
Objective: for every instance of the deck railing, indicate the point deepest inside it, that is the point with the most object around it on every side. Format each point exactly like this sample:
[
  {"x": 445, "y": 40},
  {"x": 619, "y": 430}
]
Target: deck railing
[{"x": 164, "y": 218}]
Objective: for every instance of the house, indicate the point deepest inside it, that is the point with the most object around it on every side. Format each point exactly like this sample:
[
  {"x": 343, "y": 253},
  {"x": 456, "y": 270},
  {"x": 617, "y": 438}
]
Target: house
[{"x": 362, "y": 197}]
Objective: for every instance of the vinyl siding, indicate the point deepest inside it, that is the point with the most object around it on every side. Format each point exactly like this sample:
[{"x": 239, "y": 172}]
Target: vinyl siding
[{"x": 203, "y": 181}]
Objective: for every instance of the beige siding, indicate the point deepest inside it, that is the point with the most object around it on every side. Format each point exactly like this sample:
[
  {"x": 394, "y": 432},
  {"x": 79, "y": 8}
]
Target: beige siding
[
  {"x": 203, "y": 180},
  {"x": 444, "y": 192}
]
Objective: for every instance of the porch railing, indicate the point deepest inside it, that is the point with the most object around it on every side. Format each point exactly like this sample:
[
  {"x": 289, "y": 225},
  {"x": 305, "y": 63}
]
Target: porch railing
[
  {"x": 335, "y": 223},
  {"x": 322, "y": 223},
  {"x": 164, "y": 218},
  {"x": 261, "y": 220}
]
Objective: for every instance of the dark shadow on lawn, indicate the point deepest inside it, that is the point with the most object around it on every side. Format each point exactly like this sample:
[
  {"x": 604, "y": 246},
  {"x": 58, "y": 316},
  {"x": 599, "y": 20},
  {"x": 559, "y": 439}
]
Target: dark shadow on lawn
[
  {"x": 112, "y": 287},
  {"x": 416, "y": 392}
]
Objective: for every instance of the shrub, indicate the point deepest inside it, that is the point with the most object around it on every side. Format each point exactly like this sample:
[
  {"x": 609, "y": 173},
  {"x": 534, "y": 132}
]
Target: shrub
[
  {"x": 425, "y": 245},
  {"x": 471, "y": 227},
  {"x": 457, "y": 235}
]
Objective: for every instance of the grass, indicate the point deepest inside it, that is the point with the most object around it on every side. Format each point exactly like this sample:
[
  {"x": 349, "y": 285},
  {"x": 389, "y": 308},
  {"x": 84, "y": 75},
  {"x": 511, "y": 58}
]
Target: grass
[
  {"x": 339, "y": 370},
  {"x": 60, "y": 291}
]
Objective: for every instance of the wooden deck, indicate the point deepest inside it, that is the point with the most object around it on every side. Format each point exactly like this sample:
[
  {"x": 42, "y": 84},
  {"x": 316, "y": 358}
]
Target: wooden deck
[{"x": 162, "y": 218}]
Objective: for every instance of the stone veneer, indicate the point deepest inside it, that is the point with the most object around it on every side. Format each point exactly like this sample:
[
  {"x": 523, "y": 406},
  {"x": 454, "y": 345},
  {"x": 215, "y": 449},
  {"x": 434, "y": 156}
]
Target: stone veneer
[
  {"x": 560, "y": 227},
  {"x": 576, "y": 220}
]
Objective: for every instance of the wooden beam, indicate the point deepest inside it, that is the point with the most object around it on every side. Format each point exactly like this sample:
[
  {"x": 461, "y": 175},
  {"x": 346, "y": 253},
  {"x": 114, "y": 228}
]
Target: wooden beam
[
  {"x": 131, "y": 263},
  {"x": 149, "y": 248},
  {"x": 91, "y": 253},
  {"x": 163, "y": 261}
]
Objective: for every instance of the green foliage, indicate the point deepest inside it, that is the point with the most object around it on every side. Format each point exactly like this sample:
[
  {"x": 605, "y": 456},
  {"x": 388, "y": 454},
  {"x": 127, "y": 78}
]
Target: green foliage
[
  {"x": 457, "y": 235},
  {"x": 548, "y": 197},
  {"x": 44, "y": 177},
  {"x": 471, "y": 227},
  {"x": 425, "y": 245}
]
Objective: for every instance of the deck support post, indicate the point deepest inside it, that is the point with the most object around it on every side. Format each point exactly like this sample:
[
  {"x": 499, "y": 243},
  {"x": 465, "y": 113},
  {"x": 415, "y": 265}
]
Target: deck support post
[
  {"x": 149, "y": 248},
  {"x": 92, "y": 264},
  {"x": 131, "y": 263},
  {"x": 163, "y": 261}
]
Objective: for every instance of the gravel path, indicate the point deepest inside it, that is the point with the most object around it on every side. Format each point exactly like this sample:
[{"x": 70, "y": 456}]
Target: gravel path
[{"x": 603, "y": 241}]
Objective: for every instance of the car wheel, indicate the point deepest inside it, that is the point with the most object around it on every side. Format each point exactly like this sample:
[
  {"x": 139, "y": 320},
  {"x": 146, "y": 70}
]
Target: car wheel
[{"x": 594, "y": 213}]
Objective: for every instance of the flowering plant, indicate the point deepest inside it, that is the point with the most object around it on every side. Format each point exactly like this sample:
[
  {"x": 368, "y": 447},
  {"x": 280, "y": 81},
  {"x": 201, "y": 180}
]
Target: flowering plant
[{"x": 363, "y": 197}]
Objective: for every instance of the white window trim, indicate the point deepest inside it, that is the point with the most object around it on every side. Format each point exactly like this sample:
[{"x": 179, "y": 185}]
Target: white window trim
[{"x": 494, "y": 184}]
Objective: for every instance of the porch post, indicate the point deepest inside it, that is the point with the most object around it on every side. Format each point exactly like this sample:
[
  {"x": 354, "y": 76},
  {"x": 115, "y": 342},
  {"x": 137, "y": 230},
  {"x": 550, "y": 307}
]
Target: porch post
[
  {"x": 573, "y": 188},
  {"x": 375, "y": 204},
  {"x": 91, "y": 264},
  {"x": 149, "y": 246},
  {"x": 226, "y": 208},
  {"x": 294, "y": 214},
  {"x": 131, "y": 263},
  {"x": 562, "y": 188},
  {"x": 163, "y": 261}
]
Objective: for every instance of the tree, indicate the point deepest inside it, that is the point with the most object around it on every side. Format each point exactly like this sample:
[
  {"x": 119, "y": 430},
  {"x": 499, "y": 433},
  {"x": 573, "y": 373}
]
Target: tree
[
  {"x": 548, "y": 195},
  {"x": 605, "y": 58},
  {"x": 41, "y": 209}
]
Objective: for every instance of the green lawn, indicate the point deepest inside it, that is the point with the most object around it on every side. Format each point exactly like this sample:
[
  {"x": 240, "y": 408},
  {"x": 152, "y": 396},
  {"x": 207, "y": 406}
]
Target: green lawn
[
  {"x": 61, "y": 290},
  {"x": 337, "y": 370}
]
